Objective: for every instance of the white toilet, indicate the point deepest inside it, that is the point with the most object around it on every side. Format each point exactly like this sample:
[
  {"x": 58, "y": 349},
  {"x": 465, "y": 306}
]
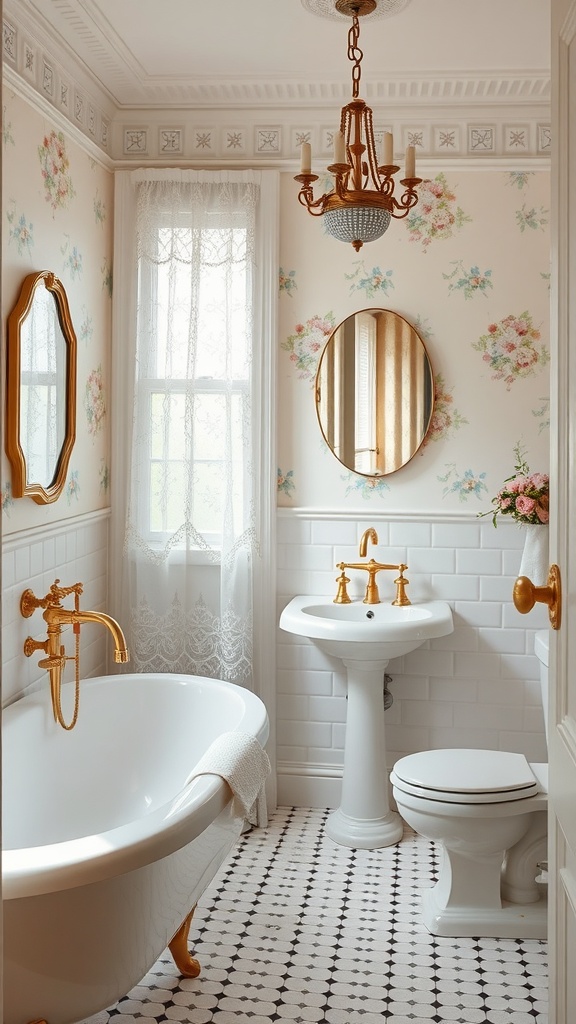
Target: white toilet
[{"x": 487, "y": 809}]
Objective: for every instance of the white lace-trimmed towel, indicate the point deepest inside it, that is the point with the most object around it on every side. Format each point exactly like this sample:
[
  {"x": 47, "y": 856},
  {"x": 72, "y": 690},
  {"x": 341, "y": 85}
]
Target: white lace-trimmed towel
[{"x": 239, "y": 759}]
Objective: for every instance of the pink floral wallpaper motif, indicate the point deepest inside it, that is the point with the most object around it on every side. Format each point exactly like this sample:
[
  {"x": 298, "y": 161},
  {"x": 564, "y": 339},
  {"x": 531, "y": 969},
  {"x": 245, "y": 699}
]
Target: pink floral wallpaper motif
[
  {"x": 305, "y": 344},
  {"x": 94, "y": 401},
  {"x": 445, "y": 417},
  {"x": 54, "y": 165},
  {"x": 469, "y": 268},
  {"x": 285, "y": 482},
  {"x": 512, "y": 348},
  {"x": 436, "y": 216}
]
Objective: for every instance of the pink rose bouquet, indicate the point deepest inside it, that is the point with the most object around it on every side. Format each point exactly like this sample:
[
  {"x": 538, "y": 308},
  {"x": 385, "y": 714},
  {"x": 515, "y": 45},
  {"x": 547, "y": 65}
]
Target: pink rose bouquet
[{"x": 524, "y": 496}]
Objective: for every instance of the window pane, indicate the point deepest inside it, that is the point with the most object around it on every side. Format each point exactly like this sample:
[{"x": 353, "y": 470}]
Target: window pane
[
  {"x": 167, "y": 495},
  {"x": 208, "y": 497},
  {"x": 209, "y": 426},
  {"x": 168, "y": 425},
  {"x": 211, "y": 303},
  {"x": 195, "y": 310}
]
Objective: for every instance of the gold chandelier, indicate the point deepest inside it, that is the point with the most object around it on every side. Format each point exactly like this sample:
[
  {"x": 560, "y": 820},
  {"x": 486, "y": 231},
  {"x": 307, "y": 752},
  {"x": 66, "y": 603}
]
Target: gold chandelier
[{"x": 362, "y": 203}]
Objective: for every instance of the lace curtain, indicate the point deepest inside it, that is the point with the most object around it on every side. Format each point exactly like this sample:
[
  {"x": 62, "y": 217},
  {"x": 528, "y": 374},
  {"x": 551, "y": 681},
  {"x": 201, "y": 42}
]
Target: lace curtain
[{"x": 194, "y": 487}]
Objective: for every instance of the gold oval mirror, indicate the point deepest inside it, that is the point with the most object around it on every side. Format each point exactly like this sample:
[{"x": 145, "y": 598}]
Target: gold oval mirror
[
  {"x": 374, "y": 392},
  {"x": 40, "y": 389}
]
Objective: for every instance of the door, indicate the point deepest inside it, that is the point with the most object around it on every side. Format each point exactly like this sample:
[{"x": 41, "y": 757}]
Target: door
[{"x": 562, "y": 734}]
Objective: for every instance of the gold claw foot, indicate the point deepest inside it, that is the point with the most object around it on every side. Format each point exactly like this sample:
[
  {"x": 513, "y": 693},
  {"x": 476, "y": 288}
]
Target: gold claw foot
[{"x": 187, "y": 964}]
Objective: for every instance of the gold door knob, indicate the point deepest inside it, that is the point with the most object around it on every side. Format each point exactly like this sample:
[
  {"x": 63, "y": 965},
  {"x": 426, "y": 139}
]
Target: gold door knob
[{"x": 525, "y": 595}]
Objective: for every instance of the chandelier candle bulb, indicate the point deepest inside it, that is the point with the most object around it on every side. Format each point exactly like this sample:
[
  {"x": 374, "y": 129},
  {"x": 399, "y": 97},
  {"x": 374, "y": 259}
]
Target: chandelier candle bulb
[
  {"x": 305, "y": 158},
  {"x": 339, "y": 149},
  {"x": 387, "y": 149},
  {"x": 410, "y": 161}
]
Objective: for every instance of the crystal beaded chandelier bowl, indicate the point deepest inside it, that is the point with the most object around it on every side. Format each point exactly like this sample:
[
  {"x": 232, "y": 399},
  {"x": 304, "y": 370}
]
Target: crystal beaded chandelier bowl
[{"x": 362, "y": 203}]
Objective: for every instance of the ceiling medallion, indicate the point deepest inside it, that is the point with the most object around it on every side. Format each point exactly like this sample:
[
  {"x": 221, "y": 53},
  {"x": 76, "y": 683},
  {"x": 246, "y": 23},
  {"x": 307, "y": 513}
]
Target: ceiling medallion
[{"x": 370, "y": 9}]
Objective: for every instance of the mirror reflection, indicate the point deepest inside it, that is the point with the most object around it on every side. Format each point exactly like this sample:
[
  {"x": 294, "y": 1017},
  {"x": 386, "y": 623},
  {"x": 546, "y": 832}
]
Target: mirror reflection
[
  {"x": 41, "y": 388},
  {"x": 374, "y": 392}
]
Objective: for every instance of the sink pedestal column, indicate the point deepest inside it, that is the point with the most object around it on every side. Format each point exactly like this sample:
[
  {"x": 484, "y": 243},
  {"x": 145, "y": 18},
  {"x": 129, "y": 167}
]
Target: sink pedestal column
[{"x": 364, "y": 820}]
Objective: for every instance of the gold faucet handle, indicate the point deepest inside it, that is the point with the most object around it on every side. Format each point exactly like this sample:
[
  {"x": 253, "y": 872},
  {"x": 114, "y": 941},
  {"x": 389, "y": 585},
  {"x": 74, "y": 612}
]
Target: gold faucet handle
[
  {"x": 57, "y": 593},
  {"x": 31, "y": 646},
  {"x": 52, "y": 661},
  {"x": 401, "y": 583},
  {"x": 342, "y": 593},
  {"x": 29, "y": 602}
]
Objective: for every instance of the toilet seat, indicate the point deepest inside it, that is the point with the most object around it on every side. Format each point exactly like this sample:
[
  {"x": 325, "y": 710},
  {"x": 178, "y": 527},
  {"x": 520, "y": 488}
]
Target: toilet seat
[{"x": 466, "y": 776}]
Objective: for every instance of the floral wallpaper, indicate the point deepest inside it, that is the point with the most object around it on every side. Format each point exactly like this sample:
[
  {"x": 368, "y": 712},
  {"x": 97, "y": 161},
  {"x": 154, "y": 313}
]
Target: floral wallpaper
[
  {"x": 469, "y": 268},
  {"x": 57, "y": 215}
]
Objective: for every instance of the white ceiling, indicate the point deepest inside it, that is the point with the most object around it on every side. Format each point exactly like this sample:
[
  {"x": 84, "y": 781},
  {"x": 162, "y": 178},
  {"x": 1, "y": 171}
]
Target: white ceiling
[{"x": 144, "y": 51}]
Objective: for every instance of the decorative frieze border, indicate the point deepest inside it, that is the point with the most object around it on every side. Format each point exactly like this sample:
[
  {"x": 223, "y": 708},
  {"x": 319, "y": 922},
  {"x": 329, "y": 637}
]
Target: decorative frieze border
[
  {"x": 214, "y": 143},
  {"x": 55, "y": 85}
]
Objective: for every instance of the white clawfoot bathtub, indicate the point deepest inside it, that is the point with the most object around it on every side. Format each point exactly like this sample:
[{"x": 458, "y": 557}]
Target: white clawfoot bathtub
[{"x": 107, "y": 846}]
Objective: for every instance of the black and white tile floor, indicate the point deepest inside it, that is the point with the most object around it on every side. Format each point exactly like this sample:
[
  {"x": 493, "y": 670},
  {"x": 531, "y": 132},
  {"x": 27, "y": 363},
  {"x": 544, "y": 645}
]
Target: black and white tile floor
[{"x": 296, "y": 929}]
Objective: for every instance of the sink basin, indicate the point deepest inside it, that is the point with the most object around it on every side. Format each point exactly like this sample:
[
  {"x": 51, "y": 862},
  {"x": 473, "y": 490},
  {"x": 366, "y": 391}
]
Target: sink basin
[
  {"x": 365, "y": 637},
  {"x": 366, "y": 631}
]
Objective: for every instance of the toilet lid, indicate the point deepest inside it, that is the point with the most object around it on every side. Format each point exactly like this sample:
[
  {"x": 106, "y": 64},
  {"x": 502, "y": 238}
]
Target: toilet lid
[{"x": 466, "y": 776}]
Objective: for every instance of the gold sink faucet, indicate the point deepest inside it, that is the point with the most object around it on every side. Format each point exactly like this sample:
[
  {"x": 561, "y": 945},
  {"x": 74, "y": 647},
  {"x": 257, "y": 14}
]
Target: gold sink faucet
[
  {"x": 369, "y": 534},
  {"x": 55, "y": 617},
  {"x": 372, "y": 568}
]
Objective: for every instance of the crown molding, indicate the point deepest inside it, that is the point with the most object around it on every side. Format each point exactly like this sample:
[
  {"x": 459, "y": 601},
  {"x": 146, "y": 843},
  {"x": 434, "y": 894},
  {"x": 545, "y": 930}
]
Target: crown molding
[
  {"x": 502, "y": 116},
  {"x": 57, "y": 81},
  {"x": 460, "y": 88}
]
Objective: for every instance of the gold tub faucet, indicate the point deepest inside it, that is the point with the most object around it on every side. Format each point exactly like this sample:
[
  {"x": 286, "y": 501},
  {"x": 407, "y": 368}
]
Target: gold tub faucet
[{"x": 55, "y": 617}]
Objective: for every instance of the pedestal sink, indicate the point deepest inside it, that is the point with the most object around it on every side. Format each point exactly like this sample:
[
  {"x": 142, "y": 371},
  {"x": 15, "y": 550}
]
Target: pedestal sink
[{"x": 365, "y": 637}]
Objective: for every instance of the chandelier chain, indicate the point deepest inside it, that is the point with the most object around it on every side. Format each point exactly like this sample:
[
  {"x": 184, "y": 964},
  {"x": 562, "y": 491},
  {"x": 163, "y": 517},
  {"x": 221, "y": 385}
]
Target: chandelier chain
[{"x": 355, "y": 55}]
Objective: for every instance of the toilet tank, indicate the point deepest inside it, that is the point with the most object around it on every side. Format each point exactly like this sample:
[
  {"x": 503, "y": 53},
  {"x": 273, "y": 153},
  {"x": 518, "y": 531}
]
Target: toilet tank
[{"x": 541, "y": 649}]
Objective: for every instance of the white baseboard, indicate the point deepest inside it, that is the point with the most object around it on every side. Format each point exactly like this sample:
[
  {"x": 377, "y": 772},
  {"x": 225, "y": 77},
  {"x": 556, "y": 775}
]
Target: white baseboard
[{"x": 309, "y": 785}]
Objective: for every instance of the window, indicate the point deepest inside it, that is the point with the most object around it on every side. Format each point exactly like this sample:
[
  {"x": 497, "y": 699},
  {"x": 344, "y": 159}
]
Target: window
[{"x": 194, "y": 330}]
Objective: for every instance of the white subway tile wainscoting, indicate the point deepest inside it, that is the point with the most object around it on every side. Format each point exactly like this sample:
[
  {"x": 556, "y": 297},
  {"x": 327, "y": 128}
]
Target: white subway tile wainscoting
[
  {"x": 295, "y": 928},
  {"x": 75, "y": 551},
  {"x": 477, "y": 687}
]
